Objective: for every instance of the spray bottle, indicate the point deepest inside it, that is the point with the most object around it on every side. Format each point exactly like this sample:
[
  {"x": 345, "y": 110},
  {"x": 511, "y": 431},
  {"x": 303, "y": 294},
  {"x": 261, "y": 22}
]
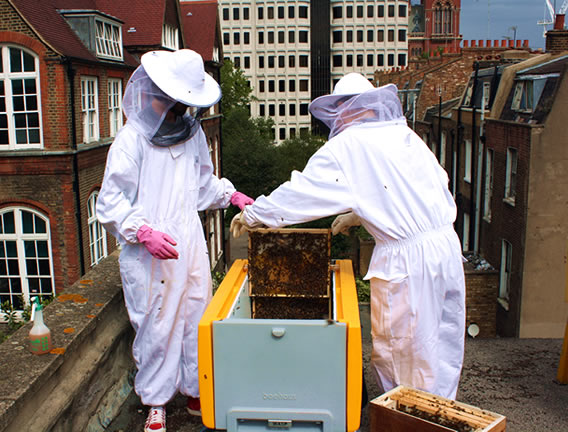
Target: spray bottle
[{"x": 40, "y": 335}]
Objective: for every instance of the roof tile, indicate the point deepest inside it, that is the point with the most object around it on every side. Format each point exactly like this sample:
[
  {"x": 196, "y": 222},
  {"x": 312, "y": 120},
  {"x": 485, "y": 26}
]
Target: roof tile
[{"x": 199, "y": 26}]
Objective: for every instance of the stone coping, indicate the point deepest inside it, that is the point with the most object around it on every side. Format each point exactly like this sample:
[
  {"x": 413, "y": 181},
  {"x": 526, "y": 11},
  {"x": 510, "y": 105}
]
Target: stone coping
[{"x": 71, "y": 317}]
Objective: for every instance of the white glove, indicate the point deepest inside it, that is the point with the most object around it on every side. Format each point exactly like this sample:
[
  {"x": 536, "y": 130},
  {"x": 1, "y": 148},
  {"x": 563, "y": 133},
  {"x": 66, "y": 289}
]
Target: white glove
[
  {"x": 239, "y": 225},
  {"x": 342, "y": 223}
]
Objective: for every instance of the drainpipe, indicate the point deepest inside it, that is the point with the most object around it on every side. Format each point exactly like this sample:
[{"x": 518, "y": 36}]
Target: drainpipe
[
  {"x": 459, "y": 139},
  {"x": 220, "y": 168},
  {"x": 473, "y": 160},
  {"x": 71, "y": 77},
  {"x": 439, "y": 155}
]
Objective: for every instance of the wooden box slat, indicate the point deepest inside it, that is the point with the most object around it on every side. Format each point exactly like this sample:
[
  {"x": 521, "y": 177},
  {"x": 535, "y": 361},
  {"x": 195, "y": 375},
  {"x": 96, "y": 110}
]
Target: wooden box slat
[{"x": 407, "y": 409}]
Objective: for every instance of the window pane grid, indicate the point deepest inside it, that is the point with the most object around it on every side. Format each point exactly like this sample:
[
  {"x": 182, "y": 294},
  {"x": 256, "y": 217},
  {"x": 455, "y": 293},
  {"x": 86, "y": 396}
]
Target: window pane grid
[
  {"x": 108, "y": 40},
  {"x": 25, "y": 261},
  {"x": 89, "y": 109},
  {"x": 115, "y": 105},
  {"x": 19, "y": 100},
  {"x": 97, "y": 234}
]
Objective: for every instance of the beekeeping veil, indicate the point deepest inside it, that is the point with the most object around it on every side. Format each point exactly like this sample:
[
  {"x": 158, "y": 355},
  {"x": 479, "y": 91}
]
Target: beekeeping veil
[
  {"x": 354, "y": 101},
  {"x": 164, "y": 79}
]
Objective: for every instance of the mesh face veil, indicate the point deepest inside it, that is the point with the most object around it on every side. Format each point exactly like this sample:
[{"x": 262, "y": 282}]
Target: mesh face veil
[
  {"x": 146, "y": 106},
  {"x": 338, "y": 112}
]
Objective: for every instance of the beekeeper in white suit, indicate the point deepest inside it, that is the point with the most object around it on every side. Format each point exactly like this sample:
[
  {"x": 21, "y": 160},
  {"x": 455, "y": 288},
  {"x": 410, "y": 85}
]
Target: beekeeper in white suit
[
  {"x": 158, "y": 175},
  {"x": 377, "y": 169}
]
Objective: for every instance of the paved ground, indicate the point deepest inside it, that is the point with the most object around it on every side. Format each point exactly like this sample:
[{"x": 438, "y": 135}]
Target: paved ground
[{"x": 512, "y": 377}]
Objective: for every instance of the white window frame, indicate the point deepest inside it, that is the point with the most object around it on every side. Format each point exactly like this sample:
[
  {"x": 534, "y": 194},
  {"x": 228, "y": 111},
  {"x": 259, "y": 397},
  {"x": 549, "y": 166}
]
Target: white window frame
[
  {"x": 523, "y": 98},
  {"x": 454, "y": 172},
  {"x": 443, "y": 141},
  {"x": 108, "y": 37},
  {"x": 115, "y": 105},
  {"x": 511, "y": 176},
  {"x": 218, "y": 236},
  {"x": 465, "y": 236},
  {"x": 90, "y": 108},
  {"x": 170, "y": 37},
  {"x": 468, "y": 161},
  {"x": 6, "y": 79},
  {"x": 211, "y": 238},
  {"x": 505, "y": 273},
  {"x": 434, "y": 147},
  {"x": 97, "y": 233},
  {"x": 488, "y": 184},
  {"x": 26, "y": 259},
  {"x": 467, "y": 96}
]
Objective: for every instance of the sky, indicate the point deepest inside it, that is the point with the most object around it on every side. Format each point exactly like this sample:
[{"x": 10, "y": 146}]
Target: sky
[{"x": 494, "y": 19}]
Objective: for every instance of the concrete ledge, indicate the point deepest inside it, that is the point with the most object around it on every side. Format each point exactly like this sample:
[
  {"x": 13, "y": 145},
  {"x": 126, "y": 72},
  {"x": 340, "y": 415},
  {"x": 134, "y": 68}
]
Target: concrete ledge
[{"x": 82, "y": 383}]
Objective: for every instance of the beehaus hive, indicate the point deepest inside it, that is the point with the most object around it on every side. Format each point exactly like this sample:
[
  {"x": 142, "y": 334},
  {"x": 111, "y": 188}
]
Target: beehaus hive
[{"x": 280, "y": 342}]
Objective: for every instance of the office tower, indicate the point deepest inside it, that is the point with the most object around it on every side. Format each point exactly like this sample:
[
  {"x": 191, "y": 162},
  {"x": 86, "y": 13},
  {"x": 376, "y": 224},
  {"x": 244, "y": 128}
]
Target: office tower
[{"x": 294, "y": 51}]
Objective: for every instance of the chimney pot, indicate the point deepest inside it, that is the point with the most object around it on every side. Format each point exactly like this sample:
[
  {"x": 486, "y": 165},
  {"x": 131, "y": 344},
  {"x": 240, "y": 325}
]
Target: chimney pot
[{"x": 559, "y": 22}]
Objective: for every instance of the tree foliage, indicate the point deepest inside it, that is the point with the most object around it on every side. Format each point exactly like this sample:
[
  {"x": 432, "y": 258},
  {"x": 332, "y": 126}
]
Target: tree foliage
[
  {"x": 234, "y": 87},
  {"x": 251, "y": 160},
  {"x": 294, "y": 153}
]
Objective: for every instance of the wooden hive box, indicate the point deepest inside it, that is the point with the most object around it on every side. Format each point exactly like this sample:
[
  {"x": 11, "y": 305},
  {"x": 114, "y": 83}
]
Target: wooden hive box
[
  {"x": 410, "y": 410},
  {"x": 289, "y": 273}
]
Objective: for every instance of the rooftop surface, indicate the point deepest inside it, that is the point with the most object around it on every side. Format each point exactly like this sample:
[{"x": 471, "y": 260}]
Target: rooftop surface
[{"x": 508, "y": 376}]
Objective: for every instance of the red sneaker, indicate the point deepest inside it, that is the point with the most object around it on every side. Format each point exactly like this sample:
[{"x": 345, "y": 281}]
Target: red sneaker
[
  {"x": 156, "y": 421},
  {"x": 193, "y": 406}
]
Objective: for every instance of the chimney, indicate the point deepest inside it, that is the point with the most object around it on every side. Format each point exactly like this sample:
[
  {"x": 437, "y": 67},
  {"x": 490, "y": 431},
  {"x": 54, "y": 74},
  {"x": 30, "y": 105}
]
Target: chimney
[
  {"x": 559, "y": 22},
  {"x": 557, "y": 38}
]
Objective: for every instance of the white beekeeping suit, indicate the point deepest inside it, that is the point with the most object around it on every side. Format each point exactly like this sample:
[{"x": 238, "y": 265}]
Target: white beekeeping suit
[
  {"x": 158, "y": 175},
  {"x": 377, "y": 168}
]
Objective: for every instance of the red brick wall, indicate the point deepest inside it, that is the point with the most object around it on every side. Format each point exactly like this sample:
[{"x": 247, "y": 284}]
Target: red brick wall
[
  {"x": 43, "y": 180},
  {"x": 507, "y": 221},
  {"x": 91, "y": 171},
  {"x": 482, "y": 289},
  {"x": 45, "y": 184},
  {"x": 556, "y": 41}
]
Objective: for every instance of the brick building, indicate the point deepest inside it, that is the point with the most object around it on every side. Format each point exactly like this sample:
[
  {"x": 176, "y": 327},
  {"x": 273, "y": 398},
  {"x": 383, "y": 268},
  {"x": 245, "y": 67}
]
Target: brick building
[
  {"x": 434, "y": 26},
  {"x": 63, "y": 69},
  {"x": 202, "y": 33},
  {"x": 492, "y": 114}
]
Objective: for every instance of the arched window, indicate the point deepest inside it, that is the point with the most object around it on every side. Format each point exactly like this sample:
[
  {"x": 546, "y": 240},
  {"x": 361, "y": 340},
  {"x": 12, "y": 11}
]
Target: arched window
[
  {"x": 20, "y": 113},
  {"x": 448, "y": 24},
  {"x": 26, "y": 267},
  {"x": 97, "y": 233},
  {"x": 443, "y": 19}
]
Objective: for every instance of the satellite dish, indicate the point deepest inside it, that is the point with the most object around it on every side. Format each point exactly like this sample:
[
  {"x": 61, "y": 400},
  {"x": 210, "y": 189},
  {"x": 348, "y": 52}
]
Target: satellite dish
[{"x": 473, "y": 330}]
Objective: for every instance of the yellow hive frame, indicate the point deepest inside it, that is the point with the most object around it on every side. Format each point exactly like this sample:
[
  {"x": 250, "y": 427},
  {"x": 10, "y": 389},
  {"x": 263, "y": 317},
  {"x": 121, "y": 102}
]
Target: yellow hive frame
[{"x": 347, "y": 308}]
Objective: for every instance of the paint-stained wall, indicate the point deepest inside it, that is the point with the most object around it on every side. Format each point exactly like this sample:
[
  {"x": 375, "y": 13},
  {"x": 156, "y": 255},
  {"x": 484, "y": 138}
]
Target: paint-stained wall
[{"x": 544, "y": 310}]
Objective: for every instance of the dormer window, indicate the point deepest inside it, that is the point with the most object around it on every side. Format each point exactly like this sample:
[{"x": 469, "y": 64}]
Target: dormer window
[
  {"x": 170, "y": 37},
  {"x": 109, "y": 40}
]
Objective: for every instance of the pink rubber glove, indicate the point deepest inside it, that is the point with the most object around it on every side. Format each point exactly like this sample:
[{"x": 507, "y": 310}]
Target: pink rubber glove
[
  {"x": 157, "y": 243},
  {"x": 240, "y": 200}
]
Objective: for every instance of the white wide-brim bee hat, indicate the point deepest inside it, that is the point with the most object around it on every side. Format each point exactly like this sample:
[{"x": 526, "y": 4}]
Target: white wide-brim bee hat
[
  {"x": 354, "y": 101},
  {"x": 181, "y": 75}
]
